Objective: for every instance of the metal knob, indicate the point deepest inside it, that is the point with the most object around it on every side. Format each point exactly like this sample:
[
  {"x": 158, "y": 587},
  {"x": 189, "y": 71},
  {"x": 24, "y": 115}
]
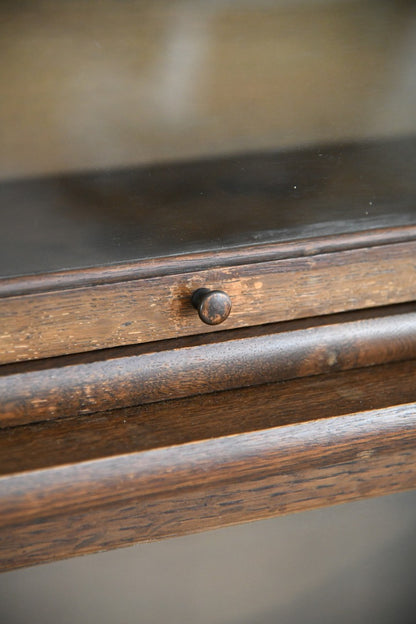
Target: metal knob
[{"x": 214, "y": 306}]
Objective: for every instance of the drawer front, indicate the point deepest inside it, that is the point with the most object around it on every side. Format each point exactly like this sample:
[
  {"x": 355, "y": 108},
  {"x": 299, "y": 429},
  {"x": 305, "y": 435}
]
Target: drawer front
[{"x": 87, "y": 318}]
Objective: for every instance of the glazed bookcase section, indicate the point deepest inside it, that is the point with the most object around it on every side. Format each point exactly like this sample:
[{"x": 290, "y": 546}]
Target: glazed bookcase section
[
  {"x": 145, "y": 213},
  {"x": 342, "y": 239}
]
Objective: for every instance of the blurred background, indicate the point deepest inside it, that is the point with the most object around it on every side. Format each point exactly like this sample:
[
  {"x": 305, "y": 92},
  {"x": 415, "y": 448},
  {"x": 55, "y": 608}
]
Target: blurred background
[
  {"x": 103, "y": 83},
  {"x": 353, "y": 563}
]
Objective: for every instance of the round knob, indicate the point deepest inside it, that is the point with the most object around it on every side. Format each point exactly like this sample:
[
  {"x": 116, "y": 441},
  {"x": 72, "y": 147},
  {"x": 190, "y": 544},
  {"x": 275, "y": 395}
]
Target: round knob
[{"x": 213, "y": 306}]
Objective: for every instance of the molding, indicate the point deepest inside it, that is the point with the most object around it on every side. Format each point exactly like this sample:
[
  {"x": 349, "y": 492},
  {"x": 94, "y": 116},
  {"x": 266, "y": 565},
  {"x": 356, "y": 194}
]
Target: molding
[
  {"x": 118, "y": 378},
  {"x": 239, "y": 456},
  {"x": 112, "y": 315}
]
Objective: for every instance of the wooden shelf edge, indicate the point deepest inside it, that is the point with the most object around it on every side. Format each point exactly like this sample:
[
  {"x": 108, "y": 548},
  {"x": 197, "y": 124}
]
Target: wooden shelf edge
[
  {"x": 108, "y": 380},
  {"x": 162, "y": 492},
  {"x": 83, "y": 319},
  {"x": 83, "y": 507}
]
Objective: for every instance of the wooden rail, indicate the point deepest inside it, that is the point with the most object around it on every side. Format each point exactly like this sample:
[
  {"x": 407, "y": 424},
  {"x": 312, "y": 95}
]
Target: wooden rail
[
  {"x": 117, "y": 378},
  {"x": 80, "y": 485}
]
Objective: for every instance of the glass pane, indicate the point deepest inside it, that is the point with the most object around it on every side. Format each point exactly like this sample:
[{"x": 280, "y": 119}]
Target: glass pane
[{"x": 314, "y": 103}]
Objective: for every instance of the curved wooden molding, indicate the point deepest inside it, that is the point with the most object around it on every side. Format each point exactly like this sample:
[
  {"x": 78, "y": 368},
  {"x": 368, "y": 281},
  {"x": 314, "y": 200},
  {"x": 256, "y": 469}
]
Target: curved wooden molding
[
  {"x": 65, "y": 387},
  {"x": 63, "y": 496}
]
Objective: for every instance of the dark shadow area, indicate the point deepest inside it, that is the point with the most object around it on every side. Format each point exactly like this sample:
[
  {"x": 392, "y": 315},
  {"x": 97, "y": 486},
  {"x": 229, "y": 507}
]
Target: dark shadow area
[{"x": 75, "y": 221}]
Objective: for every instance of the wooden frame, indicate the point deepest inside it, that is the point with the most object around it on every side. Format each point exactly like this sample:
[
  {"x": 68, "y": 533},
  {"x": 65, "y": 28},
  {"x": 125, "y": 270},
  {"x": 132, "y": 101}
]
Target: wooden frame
[
  {"x": 73, "y": 487},
  {"x": 123, "y": 418},
  {"x": 73, "y": 320},
  {"x": 123, "y": 377}
]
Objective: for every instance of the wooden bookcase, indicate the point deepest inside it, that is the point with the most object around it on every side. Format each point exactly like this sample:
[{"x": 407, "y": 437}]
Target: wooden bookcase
[{"x": 123, "y": 416}]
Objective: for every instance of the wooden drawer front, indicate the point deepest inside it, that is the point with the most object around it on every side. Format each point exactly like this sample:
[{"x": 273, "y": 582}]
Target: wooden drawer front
[{"x": 87, "y": 318}]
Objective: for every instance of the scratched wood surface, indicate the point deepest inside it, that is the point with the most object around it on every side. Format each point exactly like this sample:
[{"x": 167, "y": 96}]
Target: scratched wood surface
[
  {"x": 126, "y": 376},
  {"x": 83, "y": 319},
  {"x": 80, "y": 485}
]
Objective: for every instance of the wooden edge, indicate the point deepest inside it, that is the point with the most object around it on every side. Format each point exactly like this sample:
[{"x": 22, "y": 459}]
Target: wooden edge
[
  {"x": 180, "y": 421},
  {"x": 74, "y": 385},
  {"x": 184, "y": 263},
  {"x": 113, "y": 315},
  {"x": 80, "y": 508}
]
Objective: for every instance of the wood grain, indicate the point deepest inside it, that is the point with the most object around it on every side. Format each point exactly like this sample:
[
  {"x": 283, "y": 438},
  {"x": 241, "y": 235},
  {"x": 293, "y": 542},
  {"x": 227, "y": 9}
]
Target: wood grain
[
  {"x": 110, "y": 379},
  {"x": 168, "y": 423},
  {"x": 303, "y": 450},
  {"x": 83, "y": 319}
]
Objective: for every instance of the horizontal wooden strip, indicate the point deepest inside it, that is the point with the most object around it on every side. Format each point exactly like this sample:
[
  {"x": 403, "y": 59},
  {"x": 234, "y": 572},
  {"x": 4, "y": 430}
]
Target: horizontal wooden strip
[
  {"x": 84, "y": 319},
  {"x": 371, "y": 473},
  {"x": 185, "y": 263},
  {"x": 83, "y": 384},
  {"x": 181, "y": 421},
  {"x": 245, "y": 457},
  {"x": 206, "y": 481}
]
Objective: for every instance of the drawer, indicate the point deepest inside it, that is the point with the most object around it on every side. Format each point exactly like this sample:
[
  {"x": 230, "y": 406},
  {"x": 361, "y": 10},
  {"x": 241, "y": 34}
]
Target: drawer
[
  {"x": 63, "y": 315},
  {"x": 113, "y": 379}
]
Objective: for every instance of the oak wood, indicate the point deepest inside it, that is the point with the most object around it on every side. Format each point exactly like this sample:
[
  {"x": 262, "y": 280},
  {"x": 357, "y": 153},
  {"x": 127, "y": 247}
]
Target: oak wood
[
  {"x": 373, "y": 471},
  {"x": 168, "y": 423},
  {"x": 95, "y": 480},
  {"x": 286, "y": 447},
  {"x": 83, "y": 319},
  {"x": 110, "y": 379}
]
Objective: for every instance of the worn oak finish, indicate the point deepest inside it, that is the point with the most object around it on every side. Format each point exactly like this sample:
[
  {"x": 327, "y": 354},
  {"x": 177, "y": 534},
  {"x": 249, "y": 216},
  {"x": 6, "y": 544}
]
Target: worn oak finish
[
  {"x": 93, "y": 456},
  {"x": 84, "y": 319},
  {"x": 169, "y": 423},
  {"x": 99, "y": 269},
  {"x": 110, "y": 379},
  {"x": 184, "y": 466}
]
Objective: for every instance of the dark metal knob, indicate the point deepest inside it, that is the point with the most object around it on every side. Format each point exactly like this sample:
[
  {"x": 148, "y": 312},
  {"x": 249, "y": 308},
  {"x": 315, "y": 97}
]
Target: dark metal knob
[{"x": 214, "y": 306}]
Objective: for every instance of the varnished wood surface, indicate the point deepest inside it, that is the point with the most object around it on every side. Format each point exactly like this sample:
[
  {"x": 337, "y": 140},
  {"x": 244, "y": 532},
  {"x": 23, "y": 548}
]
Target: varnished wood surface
[
  {"x": 170, "y": 423},
  {"x": 83, "y": 319},
  {"x": 241, "y": 455},
  {"x": 76, "y": 221},
  {"x": 110, "y": 379}
]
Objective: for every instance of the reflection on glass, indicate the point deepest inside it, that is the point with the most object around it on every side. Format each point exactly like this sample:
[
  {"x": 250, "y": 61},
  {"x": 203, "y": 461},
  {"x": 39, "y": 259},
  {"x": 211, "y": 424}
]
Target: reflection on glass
[
  {"x": 213, "y": 122},
  {"x": 101, "y": 84}
]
